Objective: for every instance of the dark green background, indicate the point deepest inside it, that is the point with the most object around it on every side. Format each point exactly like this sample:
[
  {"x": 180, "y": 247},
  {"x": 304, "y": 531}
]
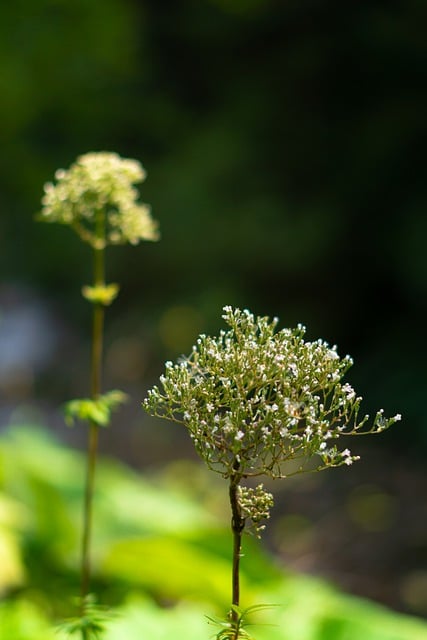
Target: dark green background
[{"x": 285, "y": 148}]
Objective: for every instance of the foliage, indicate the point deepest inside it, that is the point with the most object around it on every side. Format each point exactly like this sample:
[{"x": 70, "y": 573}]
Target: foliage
[
  {"x": 24, "y": 619},
  {"x": 91, "y": 624},
  {"x": 233, "y": 629},
  {"x": 97, "y": 411},
  {"x": 41, "y": 479}
]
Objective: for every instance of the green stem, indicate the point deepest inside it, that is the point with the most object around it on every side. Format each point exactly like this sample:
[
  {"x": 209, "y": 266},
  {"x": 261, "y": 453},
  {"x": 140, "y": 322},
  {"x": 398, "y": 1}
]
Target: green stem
[
  {"x": 237, "y": 526},
  {"x": 96, "y": 371}
]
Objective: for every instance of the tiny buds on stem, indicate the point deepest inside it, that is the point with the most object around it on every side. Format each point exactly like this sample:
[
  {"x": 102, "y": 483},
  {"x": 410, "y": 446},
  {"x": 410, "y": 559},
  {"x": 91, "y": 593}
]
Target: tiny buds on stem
[
  {"x": 255, "y": 504},
  {"x": 101, "y": 294}
]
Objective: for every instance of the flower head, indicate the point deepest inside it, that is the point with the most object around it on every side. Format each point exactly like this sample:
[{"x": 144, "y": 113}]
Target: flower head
[
  {"x": 97, "y": 197},
  {"x": 257, "y": 400}
]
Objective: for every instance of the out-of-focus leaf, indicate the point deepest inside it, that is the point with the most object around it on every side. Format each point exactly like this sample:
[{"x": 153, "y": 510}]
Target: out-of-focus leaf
[
  {"x": 12, "y": 572},
  {"x": 97, "y": 411},
  {"x": 157, "y": 538},
  {"x": 23, "y": 620},
  {"x": 142, "y": 618},
  {"x": 313, "y": 610},
  {"x": 171, "y": 568}
]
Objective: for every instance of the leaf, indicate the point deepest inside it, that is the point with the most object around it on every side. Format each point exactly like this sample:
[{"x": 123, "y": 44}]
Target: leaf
[{"x": 97, "y": 411}]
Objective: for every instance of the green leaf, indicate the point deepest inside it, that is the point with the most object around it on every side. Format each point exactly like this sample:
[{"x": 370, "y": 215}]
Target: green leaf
[
  {"x": 92, "y": 622},
  {"x": 97, "y": 411}
]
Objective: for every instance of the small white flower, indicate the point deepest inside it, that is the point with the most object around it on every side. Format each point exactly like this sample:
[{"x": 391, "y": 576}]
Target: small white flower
[
  {"x": 293, "y": 370},
  {"x": 349, "y": 391}
]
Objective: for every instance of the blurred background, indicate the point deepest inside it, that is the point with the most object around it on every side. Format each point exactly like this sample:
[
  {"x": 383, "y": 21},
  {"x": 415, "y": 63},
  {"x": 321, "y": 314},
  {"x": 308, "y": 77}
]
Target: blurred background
[{"x": 284, "y": 142}]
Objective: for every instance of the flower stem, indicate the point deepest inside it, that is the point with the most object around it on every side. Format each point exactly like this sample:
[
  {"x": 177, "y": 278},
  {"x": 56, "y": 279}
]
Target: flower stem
[
  {"x": 237, "y": 526},
  {"x": 96, "y": 371}
]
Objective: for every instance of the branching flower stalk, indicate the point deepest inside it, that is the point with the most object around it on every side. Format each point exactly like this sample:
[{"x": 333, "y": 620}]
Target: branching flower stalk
[
  {"x": 260, "y": 402},
  {"x": 98, "y": 199}
]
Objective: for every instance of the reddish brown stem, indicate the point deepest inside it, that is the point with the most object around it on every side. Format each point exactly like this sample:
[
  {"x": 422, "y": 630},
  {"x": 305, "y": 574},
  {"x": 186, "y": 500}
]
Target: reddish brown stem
[{"x": 237, "y": 526}]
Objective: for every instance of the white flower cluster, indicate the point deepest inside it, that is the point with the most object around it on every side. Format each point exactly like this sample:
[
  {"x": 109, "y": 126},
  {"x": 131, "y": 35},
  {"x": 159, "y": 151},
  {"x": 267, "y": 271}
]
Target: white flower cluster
[
  {"x": 97, "y": 197},
  {"x": 254, "y": 400},
  {"x": 255, "y": 504}
]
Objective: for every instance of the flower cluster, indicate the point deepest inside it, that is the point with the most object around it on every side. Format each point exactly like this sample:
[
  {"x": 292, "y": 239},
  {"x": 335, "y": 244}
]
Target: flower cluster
[
  {"x": 255, "y": 504},
  {"x": 257, "y": 401},
  {"x": 97, "y": 197}
]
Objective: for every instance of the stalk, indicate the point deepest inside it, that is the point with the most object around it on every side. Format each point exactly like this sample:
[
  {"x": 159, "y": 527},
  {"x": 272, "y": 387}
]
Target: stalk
[
  {"x": 237, "y": 526},
  {"x": 92, "y": 449}
]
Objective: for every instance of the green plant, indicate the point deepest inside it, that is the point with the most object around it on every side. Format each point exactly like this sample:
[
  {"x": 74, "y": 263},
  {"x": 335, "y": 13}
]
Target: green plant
[
  {"x": 97, "y": 197},
  {"x": 236, "y": 624},
  {"x": 257, "y": 402},
  {"x": 157, "y": 539}
]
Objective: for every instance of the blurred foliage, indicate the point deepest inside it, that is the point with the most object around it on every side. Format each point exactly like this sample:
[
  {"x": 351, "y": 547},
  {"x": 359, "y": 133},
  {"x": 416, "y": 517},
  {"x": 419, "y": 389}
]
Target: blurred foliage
[
  {"x": 161, "y": 557},
  {"x": 283, "y": 143}
]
